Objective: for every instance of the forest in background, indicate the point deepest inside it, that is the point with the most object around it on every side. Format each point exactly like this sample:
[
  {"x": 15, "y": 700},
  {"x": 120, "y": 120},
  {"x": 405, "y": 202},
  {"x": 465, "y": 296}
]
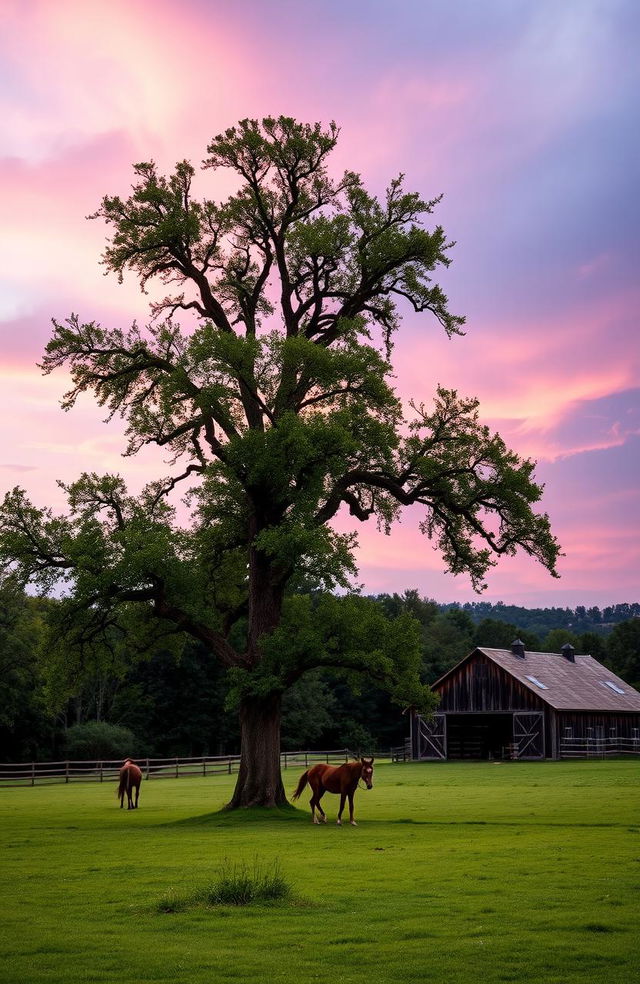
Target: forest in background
[{"x": 165, "y": 702}]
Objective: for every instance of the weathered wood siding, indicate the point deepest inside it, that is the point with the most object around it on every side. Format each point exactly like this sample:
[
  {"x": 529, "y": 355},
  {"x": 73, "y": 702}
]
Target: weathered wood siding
[
  {"x": 581, "y": 722},
  {"x": 479, "y": 685}
]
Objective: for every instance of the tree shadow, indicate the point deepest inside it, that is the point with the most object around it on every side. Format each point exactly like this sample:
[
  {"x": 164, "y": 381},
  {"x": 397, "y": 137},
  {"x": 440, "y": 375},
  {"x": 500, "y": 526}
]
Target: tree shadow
[{"x": 242, "y": 817}]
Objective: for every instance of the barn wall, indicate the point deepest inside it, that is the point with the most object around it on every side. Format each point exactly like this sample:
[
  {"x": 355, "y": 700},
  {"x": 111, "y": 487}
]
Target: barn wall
[
  {"x": 478, "y": 686},
  {"x": 598, "y": 721},
  {"x": 481, "y": 685}
]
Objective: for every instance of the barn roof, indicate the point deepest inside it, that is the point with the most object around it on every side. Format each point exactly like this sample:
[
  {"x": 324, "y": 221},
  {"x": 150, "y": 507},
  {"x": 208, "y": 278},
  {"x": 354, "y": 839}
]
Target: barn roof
[{"x": 583, "y": 685}]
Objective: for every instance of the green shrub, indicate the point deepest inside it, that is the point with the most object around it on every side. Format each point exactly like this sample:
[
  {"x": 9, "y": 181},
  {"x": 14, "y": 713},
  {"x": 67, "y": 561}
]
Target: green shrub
[{"x": 100, "y": 740}]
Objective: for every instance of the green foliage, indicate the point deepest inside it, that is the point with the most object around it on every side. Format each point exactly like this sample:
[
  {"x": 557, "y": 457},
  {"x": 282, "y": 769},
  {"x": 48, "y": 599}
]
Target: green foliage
[
  {"x": 594, "y": 644},
  {"x": 177, "y": 705},
  {"x": 26, "y": 728},
  {"x": 347, "y": 634},
  {"x": 357, "y": 738},
  {"x": 308, "y": 712},
  {"x": 493, "y": 633},
  {"x": 557, "y": 638},
  {"x": 20, "y": 635},
  {"x": 100, "y": 740},
  {"x": 623, "y": 651}
]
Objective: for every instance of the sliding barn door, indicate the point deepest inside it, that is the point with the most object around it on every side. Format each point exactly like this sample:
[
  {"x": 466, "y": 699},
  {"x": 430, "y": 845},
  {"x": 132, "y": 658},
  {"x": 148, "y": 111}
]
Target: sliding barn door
[
  {"x": 528, "y": 734},
  {"x": 432, "y": 737}
]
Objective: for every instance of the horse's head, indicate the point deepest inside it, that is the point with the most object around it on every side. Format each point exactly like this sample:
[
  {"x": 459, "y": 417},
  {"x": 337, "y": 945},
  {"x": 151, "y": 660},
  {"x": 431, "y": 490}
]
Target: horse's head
[{"x": 367, "y": 772}]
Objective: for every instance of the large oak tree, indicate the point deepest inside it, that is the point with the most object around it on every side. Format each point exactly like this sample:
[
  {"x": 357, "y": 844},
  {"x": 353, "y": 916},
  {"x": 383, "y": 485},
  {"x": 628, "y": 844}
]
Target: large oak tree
[{"x": 276, "y": 408}]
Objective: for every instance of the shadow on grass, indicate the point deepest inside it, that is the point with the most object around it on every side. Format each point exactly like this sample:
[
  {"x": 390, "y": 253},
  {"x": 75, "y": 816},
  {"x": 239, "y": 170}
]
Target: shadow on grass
[
  {"x": 242, "y": 817},
  {"x": 291, "y": 814}
]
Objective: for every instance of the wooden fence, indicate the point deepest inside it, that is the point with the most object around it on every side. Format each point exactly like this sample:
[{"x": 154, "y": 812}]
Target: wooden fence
[
  {"x": 598, "y": 747},
  {"x": 107, "y": 770}
]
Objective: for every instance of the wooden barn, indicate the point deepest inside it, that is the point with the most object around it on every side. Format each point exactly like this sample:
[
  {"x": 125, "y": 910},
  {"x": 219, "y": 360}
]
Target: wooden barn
[{"x": 509, "y": 703}]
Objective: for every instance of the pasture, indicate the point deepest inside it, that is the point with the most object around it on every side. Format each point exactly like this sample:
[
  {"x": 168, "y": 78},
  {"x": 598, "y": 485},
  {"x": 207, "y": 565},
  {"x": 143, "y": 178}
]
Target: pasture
[{"x": 457, "y": 873}]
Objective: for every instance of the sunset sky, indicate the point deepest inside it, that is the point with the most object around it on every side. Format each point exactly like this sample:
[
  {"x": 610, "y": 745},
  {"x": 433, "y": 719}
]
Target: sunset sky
[{"x": 523, "y": 113}]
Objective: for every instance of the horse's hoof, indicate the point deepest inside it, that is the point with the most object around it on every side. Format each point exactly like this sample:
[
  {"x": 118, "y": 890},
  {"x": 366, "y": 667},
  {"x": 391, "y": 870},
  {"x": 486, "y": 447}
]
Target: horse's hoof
[
  {"x": 324, "y": 819},
  {"x": 339, "y": 823},
  {"x": 353, "y": 823}
]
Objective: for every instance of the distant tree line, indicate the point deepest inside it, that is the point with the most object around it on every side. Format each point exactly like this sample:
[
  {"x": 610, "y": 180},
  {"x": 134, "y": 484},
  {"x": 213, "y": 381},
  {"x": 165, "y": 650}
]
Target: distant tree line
[
  {"x": 163, "y": 702},
  {"x": 543, "y": 620}
]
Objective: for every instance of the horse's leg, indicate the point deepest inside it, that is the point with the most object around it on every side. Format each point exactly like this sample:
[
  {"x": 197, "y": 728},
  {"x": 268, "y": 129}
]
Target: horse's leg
[
  {"x": 312, "y": 802},
  {"x": 351, "y": 820},
  {"x": 343, "y": 797},
  {"x": 323, "y": 815}
]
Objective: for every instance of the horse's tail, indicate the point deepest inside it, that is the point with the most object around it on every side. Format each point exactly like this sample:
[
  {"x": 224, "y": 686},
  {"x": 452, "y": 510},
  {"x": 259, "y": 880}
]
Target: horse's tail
[
  {"x": 301, "y": 784},
  {"x": 125, "y": 784}
]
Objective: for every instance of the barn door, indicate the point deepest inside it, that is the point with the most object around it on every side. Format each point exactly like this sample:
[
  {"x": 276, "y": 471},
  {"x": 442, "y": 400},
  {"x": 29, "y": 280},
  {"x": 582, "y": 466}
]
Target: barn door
[
  {"x": 528, "y": 734},
  {"x": 432, "y": 738}
]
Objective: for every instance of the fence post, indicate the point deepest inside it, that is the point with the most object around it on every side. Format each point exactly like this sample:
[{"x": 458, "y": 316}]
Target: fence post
[
  {"x": 147, "y": 765},
  {"x": 204, "y": 766},
  {"x": 101, "y": 772},
  {"x": 285, "y": 760},
  {"x": 33, "y": 773},
  {"x": 306, "y": 760},
  {"x": 229, "y": 766},
  {"x": 66, "y": 772},
  {"x": 177, "y": 773}
]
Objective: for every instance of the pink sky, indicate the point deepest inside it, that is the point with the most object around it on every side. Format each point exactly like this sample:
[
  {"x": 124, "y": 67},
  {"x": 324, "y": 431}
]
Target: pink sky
[{"x": 525, "y": 115}]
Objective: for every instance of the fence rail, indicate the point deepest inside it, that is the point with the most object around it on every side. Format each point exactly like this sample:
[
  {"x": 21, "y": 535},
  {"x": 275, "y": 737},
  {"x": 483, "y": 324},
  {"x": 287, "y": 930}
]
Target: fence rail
[
  {"x": 598, "y": 747},
  {"x": 107, "y": 770},
  {"x": 401, "y": 753}
]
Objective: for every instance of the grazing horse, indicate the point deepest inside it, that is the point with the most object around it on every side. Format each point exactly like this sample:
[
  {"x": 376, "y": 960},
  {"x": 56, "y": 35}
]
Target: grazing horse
[
  {"x": 130, "y": 779},
  {"x": 342, "y": 779}
]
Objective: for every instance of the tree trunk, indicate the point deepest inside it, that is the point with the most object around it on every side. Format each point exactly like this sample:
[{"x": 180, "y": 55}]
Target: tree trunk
[{"x": 259, "y": 779}]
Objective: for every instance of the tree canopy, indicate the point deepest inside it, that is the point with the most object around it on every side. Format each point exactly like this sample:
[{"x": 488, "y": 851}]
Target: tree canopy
[{"x": 276, "y": 407}]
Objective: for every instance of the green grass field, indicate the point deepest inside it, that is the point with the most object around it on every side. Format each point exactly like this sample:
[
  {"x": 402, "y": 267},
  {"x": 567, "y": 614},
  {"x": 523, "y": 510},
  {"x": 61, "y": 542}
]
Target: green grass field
[{"x": 457, "y": 873}]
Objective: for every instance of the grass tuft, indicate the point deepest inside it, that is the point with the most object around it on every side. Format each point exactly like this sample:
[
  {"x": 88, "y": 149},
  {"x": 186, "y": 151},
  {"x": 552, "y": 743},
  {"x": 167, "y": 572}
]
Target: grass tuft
[
  {"x": 236, "y": 884},
  {"x": 172, "y": 901}
]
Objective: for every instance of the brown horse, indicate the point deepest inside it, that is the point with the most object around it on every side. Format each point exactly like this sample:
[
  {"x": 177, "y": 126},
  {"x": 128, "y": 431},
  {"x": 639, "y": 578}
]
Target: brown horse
[
  {"x": 130, "y": 779},
  {"x": 342, "y": 779}
]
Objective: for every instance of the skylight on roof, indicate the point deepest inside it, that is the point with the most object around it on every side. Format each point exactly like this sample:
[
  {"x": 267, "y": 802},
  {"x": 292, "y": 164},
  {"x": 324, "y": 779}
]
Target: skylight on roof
[
  {"x": 537, "y": 683},
  {"x": 613, "y": 686}
]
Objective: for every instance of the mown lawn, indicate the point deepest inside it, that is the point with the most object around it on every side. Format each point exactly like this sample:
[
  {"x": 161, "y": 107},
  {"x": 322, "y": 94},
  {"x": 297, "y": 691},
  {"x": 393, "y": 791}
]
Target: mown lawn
[{"x": 456, "y": 874}]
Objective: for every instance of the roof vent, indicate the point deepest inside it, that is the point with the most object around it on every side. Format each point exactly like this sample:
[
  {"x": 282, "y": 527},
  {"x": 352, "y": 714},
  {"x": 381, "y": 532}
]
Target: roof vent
[
  {"x": 517, "y": 648},
  {"x": 568, "y": 652}
]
